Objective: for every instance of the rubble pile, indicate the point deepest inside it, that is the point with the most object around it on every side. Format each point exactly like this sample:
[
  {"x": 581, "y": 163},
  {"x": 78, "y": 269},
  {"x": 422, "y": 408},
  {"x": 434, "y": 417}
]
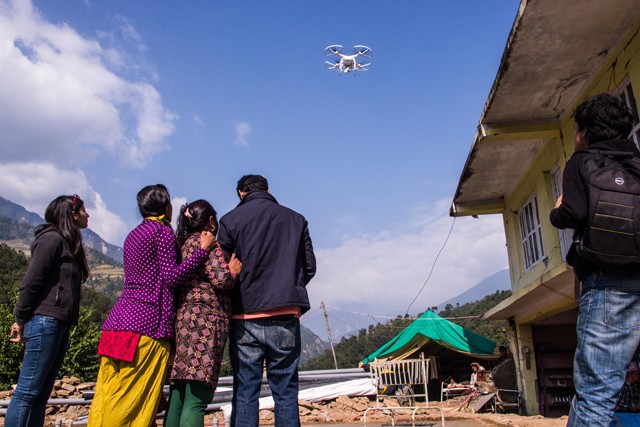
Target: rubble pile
[
  {"x": 65, "y": 388},
  {"x": 69, "y": 387},
  {"x": 347, "y": 410}
]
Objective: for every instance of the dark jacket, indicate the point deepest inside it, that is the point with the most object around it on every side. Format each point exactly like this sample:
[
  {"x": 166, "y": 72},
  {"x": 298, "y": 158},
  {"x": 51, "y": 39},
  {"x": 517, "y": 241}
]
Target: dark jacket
[
  {"x": 573, "y": 211},
  {"x": 275, "y": 249},
  {"x": 51, "y": 285}
]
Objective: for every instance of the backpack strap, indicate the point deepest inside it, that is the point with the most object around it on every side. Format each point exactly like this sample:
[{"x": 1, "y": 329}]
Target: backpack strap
[
  {"x": 615, "y": 155},
  {"x": 627, "y": 159}
]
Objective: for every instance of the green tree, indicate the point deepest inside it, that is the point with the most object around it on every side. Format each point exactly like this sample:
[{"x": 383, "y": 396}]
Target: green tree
[
  {"x": 12, "y": 267},
  {"x": 10, "y": 353},
  {"x": 82, "y": 360}
]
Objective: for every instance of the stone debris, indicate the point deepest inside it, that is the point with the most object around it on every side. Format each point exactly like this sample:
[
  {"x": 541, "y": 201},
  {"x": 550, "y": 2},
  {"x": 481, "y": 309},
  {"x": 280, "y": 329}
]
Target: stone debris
[
  {"x": 348, "y": 410},
  {"x": 65, "y": 388}
]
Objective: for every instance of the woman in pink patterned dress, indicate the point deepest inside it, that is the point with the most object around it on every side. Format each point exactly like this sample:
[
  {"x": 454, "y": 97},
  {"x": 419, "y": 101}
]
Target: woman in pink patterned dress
[{"x": 202, "y": 320}]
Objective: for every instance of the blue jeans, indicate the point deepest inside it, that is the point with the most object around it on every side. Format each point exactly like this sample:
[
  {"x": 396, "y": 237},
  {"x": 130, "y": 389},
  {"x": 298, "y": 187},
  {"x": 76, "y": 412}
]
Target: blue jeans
[
  {"x": 252, "y": 342},
  {"x": 46, "y": 343},
  {"x": 608, "y": 332}
]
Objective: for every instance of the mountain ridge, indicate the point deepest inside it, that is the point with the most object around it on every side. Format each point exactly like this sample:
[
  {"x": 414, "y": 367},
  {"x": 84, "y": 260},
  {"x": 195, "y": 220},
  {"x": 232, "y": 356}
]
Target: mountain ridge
[
  {"x": 498, "y": 281},
  {"x": 26, "y": 220}
]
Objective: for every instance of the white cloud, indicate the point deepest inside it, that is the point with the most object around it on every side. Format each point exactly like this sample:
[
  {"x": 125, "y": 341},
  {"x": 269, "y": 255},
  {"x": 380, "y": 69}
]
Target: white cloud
[
  {"x": 197, "y": 124},
  {"x": 61, "y": 101},
  {"x": 367, "y": 272},
  {"x": 176, "y": 204},
  {"x": 66, "y": 100},
  {"x": 104, "y": 222},
  {"x": 243, "y": 130},
  {"x": 33, "y": 185}
]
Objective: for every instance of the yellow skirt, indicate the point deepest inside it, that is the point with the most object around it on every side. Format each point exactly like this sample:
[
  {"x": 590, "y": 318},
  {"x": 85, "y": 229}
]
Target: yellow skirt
[{"x": 128, "y": 393}]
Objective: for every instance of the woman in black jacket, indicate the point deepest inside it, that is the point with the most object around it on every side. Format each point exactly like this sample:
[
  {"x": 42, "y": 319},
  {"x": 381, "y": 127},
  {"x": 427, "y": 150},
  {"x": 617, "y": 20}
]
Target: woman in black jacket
[{"x": 48, "y": 305}]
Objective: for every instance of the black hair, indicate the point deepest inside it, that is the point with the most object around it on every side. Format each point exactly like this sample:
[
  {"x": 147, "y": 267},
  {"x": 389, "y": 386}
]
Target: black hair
[
  {"x": 604, "y": 117},
  {"x": 153, "y": 200},
  {"x": 250, "y": 183},
  {"x": 193, "y": 218},
  {"x": 59, "y": 217}
]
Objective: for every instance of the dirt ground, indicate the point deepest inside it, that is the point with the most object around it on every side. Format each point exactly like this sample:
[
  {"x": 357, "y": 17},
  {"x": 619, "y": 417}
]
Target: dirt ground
[
  {"x": 489, "y": 420},
  {"x": 354, "y": 417},
  {"x": 345, "y": 410}
]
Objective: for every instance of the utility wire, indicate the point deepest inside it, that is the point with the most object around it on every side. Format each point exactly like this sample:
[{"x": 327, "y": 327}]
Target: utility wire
[
  {"x": 383, "y": 316},
  {"x": 433, "y": 265}
]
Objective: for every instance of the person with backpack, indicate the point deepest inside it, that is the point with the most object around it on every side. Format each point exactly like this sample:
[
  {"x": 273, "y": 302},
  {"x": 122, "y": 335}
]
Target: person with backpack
[{"x": 601, "y": 202}]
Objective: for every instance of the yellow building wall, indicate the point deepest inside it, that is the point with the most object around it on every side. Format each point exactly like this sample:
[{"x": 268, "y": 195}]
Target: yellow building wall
[
  {"x": 527, "y": 372},
  {"x": 536, "y": 181},
  {"x": 623, "y": 63}
]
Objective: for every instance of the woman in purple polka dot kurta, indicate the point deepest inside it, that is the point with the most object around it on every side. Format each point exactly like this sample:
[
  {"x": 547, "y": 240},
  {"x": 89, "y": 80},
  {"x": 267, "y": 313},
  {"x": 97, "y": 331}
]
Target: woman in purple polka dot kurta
[{"x": 136, "y": 336}]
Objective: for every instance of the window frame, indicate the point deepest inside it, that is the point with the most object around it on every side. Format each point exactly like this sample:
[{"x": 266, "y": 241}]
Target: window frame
[
  {"x": 564, "y": 235},
  {"x": 625, "y": 93},
  {"x": 531, "y": 233}
]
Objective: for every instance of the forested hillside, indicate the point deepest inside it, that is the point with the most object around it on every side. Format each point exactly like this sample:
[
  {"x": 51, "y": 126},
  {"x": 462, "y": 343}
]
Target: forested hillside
[
  {"x": 352, "y": 350},
  {"x": 466, "y": 316},
  {"x": 106, "y": 271},
  {"x": 81, "y": 360},
  {"x": 13, "y": 230},
  {"x": 17, "y": 223}
]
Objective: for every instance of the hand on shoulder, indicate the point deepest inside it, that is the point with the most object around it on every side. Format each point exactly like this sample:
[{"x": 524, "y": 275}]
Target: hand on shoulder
[{"x": 207, "y": 240}]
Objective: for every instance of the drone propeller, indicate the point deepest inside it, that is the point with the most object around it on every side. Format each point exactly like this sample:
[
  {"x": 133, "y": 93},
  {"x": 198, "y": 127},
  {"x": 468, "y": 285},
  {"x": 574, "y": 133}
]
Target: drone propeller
[
  {"x": 364, "y": 67},
  {"x": 332, "y": 65},
  {"x": 333, "y": 49},
  {"x": 363, "y": 50}
]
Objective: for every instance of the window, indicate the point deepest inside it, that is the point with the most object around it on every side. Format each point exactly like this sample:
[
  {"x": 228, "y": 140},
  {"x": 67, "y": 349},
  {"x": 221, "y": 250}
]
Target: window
[
  {"x": 531, "y": 233},
  {"x": 566, "y": 235},
  {"x": 625, "y": 93}
]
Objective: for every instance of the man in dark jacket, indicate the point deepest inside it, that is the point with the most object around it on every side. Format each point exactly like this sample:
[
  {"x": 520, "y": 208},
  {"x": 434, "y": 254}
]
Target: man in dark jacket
[
  {"x": 609, "y": 315},
  {"x": 278, "y": 262}
]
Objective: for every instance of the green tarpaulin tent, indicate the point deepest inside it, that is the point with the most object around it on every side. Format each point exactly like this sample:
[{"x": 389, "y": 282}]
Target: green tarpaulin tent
[{"x": 431, "y": 330}]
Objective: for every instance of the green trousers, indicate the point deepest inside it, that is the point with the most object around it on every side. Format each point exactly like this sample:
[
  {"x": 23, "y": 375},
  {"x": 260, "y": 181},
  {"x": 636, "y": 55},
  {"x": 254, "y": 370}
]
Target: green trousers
[{"x": 188, "y": 401}]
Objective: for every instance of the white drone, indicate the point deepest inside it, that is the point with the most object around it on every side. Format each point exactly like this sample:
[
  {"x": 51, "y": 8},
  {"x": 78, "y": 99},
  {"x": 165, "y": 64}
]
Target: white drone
[{"x": 347, "y": 63}]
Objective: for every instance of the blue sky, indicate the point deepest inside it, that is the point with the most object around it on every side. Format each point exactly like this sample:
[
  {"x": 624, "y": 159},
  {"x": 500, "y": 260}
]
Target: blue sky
[{"x": 101, "y": 98}]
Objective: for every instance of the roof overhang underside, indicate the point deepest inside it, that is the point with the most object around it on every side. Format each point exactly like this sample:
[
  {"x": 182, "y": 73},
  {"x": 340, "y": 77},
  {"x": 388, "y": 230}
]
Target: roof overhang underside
[
  {"x": 554, "y": 50},
  {"x": 539, "y": 301}
]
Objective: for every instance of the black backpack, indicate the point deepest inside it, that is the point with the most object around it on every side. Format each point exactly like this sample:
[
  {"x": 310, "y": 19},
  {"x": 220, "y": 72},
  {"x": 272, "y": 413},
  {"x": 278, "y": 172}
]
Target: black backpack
[{"x": 612, "y": 184}]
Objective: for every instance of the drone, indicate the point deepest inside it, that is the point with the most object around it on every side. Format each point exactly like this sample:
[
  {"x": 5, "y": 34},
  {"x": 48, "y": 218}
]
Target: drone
[{"x": 347, "y": 63}]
